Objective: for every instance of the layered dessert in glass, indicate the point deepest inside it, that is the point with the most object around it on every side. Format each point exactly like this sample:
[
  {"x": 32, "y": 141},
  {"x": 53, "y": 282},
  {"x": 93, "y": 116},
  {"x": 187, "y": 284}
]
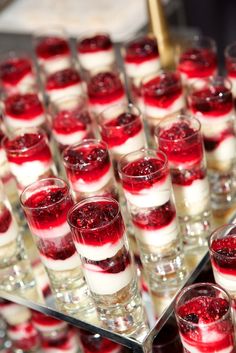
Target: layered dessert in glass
[
  {"x": 49, "y": 327},
  {"x": 99, "y": 236},
  {"x": 230, "y": 63},
  {"x": 23, "y": 111},
  {"x": 52, "y": 50},
  {"x": 162, "y": 95},
  {"x": 89, "y": 169},
  {"x": 203, "y": 313},
  {"x": 104, "y": 89},
  {"x": 198, "y": 60},
  {"x": 95, "y": 50},
  {"x": 29, "y": 157},
  {"x": 212, "y": 104},
  {"x": 70, "y": 120},
  {"x": 63, "y": 83},
  {"x": 69, "y": 343},
  {"x": 15, "y": 270},
  {"x": 180, "y": 138},
  {"x": 141, "y": 58},
  {"x": 146, "y": 183},
  {"x": 17, "y": 73},
  {"x": 46, "y": 204},
  {"x": 95, "y": 343}
]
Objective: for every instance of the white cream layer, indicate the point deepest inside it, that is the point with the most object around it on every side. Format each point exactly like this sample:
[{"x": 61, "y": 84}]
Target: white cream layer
[
  {"x": 25, "y": 85},
  {"x": 52, "y": 231},
  {"x": 58, "y": 93},
  {"x": 228, "y": 282},
  {"x": 49, "y": 328},
  {"x": 98, "y": 253},
  {"x": 226, "y": 150},
  {"x": 70, "y": 139},
  {"x": 28, "y": 172},
  {"x": 155, "y": 112},
  {"x": 58, "y": 63},
  {"x": 21, "y": 333},
  {"x": 192, "y": 196},
  {"x": 10, "y": 234},
  {"x": 155, "y": 196},
  {"x": 15, "y": 314},
  {"x": 103, "y": 283},
  {"x": 81, "y": 186},
  {"x": 103, "y": 58},
  {"x": 212, "y": 126},
  {"x": 68, "y": 264},
  {"x": 142, "y": 69},
  {"x": 98, "y": 108},
  {"x": 233, "y": 81},
  {"x": 192, "y": 349},
  {"x": 24, "y": 123},
  {"x": 132, "y": 144},
  {"x": 159, "y": 237}
]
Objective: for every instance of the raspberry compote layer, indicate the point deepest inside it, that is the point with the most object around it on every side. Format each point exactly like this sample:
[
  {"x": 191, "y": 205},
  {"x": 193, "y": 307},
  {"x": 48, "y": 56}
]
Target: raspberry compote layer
[
  {"x": 66, "y": 344},
  {"x": 223, "y": 259},
  {"x": 8, "y": 228},
  {"x": 29, "y": 157},
  {"x": 46, "y": 212},
  {"x": 94, "y": 343},
  {"x": 163, "y": 94},
  {"x": 104, "y": 90},
  {"x": 98, "y": 232},
  {"x": 197, "y": 63},
  {"x": 16, "y": 74},
  {"x": 231, "y": 72},
  {"x": 23, "y": 111},
  {"x": 95, "y": 51},
  {"x": 204, "y": 326},
  {"x": 213, "y": 106},
  {"x": 53, "y": 53},
  {"x": 46, "y": 324},
  {"x": 141, "y": 57},
  {"x": 124, "y": 133},
  {"x": 62, "y": 83},
  {"x": 88, "y": 167},
  {"x": 5, "y": 173},
  {"x": 24, "y": 336}
]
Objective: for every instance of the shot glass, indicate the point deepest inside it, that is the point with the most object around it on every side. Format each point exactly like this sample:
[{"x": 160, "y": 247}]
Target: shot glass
[
  {"x": 95, "y": 49},
  {"x": 23, "y": 111},
  {"x": 162, "y": 95},
  {"x": 99, "y": 236},
  {"x": 63, "y": 83},
  {"x": 49, "y": 328},
  {"x": 71, "y": 120},
  {"x": 46, "y": 204},
  {"x": 180, "y": 138},
  {"x": 69, "y": 343},
  {"x": 212, "y": 104},
  {"x": 89, "y": 169},
  {"x": 104, "y": 89},
  {"x": 198, "y": 60},
  {"x": 15, "y": 269},
  {"x": 230, "y": 63},
  {"x": 203, "y": 314},
  {"x": 147, "y": 187},
  {"x": 29, "y": 157},
  {"x": 95, "y": 343},
  {"x": 52, "y": 49},
  {"x": 17, "y": 73}
]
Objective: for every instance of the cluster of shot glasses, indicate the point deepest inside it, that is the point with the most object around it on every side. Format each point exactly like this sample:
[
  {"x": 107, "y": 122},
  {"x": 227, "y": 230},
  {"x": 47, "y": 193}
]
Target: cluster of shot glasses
[{"x": 117, "y": 165}]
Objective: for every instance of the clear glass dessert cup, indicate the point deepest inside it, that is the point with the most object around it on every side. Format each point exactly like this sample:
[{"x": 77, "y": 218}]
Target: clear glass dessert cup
[
  {"x": 230, "y": 63},
  {"x": 181, "y": 140},
  {"x": 147, "y": 187},
  {"x": 99, "y": 235},
  {"x": 212, "y": 103},
  {"x": 203, "y": 314},
  {"x": 46, "y": 204},
  {"x": 15, "y": 269}
]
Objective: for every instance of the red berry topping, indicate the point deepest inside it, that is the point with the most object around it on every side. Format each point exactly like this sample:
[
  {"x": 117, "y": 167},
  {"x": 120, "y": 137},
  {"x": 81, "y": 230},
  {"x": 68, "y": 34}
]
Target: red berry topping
[
  {"x": 2, "y": 135},
  {"x": 187, "y": 177},
  {"x": 93, "y": 343},
  {"x": 97, "y": 223},
  {"x": 198, "y": 63},
  {"x": 50, "y": 47},
  {"x": 14, "y": 69},
  {"x": 141, "y": 49},
  {"x": 57, "y": 249},
  {"x": 23, "y": 106},
  {"x": 163, "y": 90},
  {"x": 62, "y": 79},
  {"x": 5, "y": 219},
  {"x": 117, "y": 131},
  {"x": 67, "y": 122},
  {"x": 45, "y": 320},
  {"x": 231, "y": 67},
  {"x": 93, "y": 44},
  {"x": 211, "y": 143}
]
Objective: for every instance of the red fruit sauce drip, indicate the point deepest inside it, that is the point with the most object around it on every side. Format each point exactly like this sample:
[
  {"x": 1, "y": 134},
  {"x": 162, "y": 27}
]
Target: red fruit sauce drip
[
  {"x": 50, "y": 47},
  {"x": 99, "y": 42},
  {"x": 23, "y": 106},
  {"x": 141, "y": 50},
  {"x": 14, "y": 69},
  {"x": 62, "y": 79}
]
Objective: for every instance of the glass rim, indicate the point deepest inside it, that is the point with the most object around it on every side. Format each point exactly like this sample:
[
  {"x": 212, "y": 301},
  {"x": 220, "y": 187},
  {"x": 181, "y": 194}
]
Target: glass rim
[
  {"x": 176, "y": 119},
  {"x": 228, "y": 48},
  {"x": 24, "y": 131},
  {"x": 209, "y": 82},
  {"x": 43, "y": 32},
  {"x": 214, "y": 234},
  {"x": 82, "y": 143},
  {"x": 201, "y": 284},
  {"x": 197, "y": 38},
  {"x": 102, "y": 120},
  {"x": 137, "y": 37},
  {"x": 21, "y": 54},
  {"x": 90, "y": 200},
  {"x": 90, "y": 33},
  {"x": 143, "y": 150},
  {"x": 41, "y": 181}
]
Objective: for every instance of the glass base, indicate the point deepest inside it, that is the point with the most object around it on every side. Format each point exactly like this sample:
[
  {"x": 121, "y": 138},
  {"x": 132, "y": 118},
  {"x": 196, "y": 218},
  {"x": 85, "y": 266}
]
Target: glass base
[
  {"x": 123, "y": 312},
  {"x": 71, "y": 292}
]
